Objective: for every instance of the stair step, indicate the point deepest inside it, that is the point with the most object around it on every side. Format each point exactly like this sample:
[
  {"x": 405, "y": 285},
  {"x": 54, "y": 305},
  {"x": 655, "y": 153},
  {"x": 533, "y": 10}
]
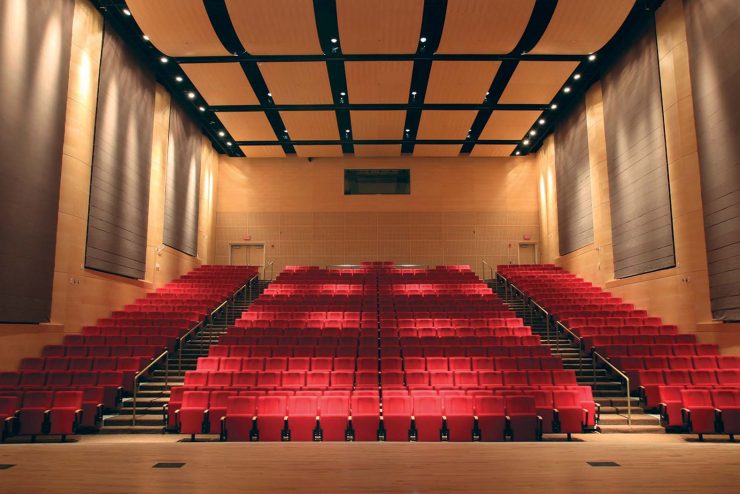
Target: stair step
[
  {"x": 126, "y": 420},
  {"x": 127, "y": 429}
]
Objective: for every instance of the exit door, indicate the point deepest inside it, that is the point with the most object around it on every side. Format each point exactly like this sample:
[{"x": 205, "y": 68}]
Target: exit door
[
  {"x": 247, "y": 255},
  {"x": 527, "y": 254}
]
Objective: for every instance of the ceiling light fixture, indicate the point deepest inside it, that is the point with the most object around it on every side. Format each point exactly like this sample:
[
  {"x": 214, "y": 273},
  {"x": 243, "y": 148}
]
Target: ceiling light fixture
[
  {"x": 408, "y": 130},
  {"x": 553, "y": 106},
  {"x": 525, "y": 142},
  {"x": 146, "y": 38},
  {"x": 164, "y": 59},
  {"x": 221, "y": 133},
  {"x": 533, "y": 132},
  {"x": 518, "y": 153},
  {"x": 413, "y": 93},
  {"x": 576, "y": 77},
  {"x": 591, "y": 58},
  {"x": 541, "y": 121},
  {"x": 191, "y": 95},
  {"x": 334, "y": 40},
  {"x": 342, "y": 94},
  {"x": 269, "y": 95},
  {"x": 566, "y": 89},
  {"x": 228, "y": 143},
  {"x": 423, "y": 39},
  {"x": 178, "y": 78},
  {"x": 127, "y": 11},
  {"x": 202, "y": 108}
]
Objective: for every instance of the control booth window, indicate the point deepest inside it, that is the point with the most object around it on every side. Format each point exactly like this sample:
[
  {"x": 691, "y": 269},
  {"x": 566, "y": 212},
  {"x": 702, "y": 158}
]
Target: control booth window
[{"x": 358, "y": 182}]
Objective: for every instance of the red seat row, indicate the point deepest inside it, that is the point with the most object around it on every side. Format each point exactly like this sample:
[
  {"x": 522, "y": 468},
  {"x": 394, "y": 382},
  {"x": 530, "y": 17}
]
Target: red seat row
[{"x": 701, "y": 411}]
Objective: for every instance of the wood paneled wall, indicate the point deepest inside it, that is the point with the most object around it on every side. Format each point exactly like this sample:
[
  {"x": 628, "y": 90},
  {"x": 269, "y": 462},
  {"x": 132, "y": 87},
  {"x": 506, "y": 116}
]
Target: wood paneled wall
[
  {"x": 460, "y": 210},
  {"x": 680, "y": 295},
  {"x": 80, "y": 296}
]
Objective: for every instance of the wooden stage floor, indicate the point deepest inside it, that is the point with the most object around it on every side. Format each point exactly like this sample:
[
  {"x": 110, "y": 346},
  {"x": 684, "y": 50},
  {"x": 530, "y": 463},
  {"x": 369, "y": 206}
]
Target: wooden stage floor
[{"x": 124, "y": 464}]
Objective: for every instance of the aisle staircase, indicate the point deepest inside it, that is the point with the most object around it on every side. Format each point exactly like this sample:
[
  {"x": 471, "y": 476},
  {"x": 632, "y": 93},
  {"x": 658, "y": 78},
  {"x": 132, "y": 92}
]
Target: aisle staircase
[
  {"x": 608, "y": 390},
  {"x": 154, "y": 391}
]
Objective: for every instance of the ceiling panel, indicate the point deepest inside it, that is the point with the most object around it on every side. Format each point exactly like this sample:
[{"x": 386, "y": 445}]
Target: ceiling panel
[
  {"x": 536, "y": 82},
  {"x": 377, "y": 124},
  {"x": 439, "y": 150},
  {"x": 263, "y": 151},
  {"x": 582, "y": 26},
  {"x": 247, "y": 126},
  {"x": 297, "y": 83},
  {"x": 445, "y": 124},
  {"x": 221, "y": 83},
  {"x": 178, "y": 28},
  {"x": 379, "y": 26},
  {"x": 492, "y": 150},
  {"x": 378, "y": 82},
  {"x": 460, "y": 82},
  {"x": 484, "y": 26},
  {"x": 275, "y": 27},
  {"x": 310, "y": 125},
  {"x": 508, "y": 124},
  {"x": 377, "y": 150},
  {"x": 319, "y": 151}
]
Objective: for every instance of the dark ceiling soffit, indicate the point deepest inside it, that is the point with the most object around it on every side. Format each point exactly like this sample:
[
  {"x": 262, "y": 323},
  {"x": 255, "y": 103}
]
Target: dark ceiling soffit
[
  {"x": 432, "y": 22},
  {"x": 643, "y": 11},
  {"x": 164, "y": 73},
  {"x": 464, "y": 57},
  {"x": 327, "y": 27},
  {"x": 371, "y": 141},
  {"x": 221, "y": 22},
  {"x": 378, "y": 106},
  {"x": 538, "y": 22}
]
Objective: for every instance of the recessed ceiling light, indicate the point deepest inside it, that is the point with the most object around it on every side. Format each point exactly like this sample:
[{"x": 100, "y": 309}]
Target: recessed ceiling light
[
  {"x": 269, "y": 95},
  {"x": 228, "y": 143},
  {"x": 488, "y": 92},
  {"x": 334, "y": 40},
  {"x": 146, "y": 38},
  {"x": 413, "y": 93},
  {"x": 525, "y": 142},
  {"x": 202, "y": 108},
  {"x": 342, "y": 94},
  {"x": 346, "y": 130},
  {"x": 191, "y": 95},
  {"x": 591, "y": 58},
  {"x": 541, "y": 121},
  {"x": 576, "y": 76},
  {"x": 286, "y": 131},
  {"x": 553, "y": 106},
  {"x": 178, "y": 78},
  {"x": 408, "y": 130},
  {"x": 518, "y": 153},
  {"x": 423, "y": 39},
  {"x": 164, "y": 59},
  {"x": 221, "y": 133},
  {"x": 533, "y": 132},
  {"x": 127, "y": 11},
  {"x": 566, "y": 89}
]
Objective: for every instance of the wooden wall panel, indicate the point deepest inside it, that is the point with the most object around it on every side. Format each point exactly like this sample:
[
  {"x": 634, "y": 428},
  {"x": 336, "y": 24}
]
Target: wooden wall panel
[
  {"x": 182, "y": 183},
  {"x": 642, "y": 225},
  {"x": 119, "y": 189},
  {"x": 713, "y": 33},
  {"x": 35, "y": 48},
  {"x": 573, "y": 175}
]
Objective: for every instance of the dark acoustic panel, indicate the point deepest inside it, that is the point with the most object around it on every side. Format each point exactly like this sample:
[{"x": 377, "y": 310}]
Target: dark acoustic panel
[
  {"x": 119, "y": 189},
  {"x": 183, "y": 183},
  {"x": 642, "y": 226},
  {"x": 713, "y": 29},
  {"x": 573, "y": 175},
  {"x": 35, "y": 46}
]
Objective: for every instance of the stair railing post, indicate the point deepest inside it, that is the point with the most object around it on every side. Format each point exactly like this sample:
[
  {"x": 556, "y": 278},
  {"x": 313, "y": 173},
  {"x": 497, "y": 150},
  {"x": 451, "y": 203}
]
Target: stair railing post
[
  {"x": 629, "y": 404},
  {"x": 593, "y": 366},
  {"x": 133, "y": 410},
  {"x": 167, "y": 371}
]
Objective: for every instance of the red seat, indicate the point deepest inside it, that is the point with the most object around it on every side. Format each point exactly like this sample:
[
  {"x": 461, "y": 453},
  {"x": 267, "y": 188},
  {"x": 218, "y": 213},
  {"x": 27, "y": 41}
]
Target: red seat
[
  {"x": 699, "y": 414},
  {"x": 208, "y": 363},
  {"x": 191, "y": 418},
  {"x": 294, "y": 379},
  {"x": 299, "y": 364},
  {"x": 523, "y": 421},
  {"x": 302, "y": 417},
  {"x": 240, "y": 414},
  {"x": 570, "y": 415},
  {"x": 220, "y": 379},
  {"x": 460, "y": 415},
  {"x": 231, "y": 364},
  {"x": 544, "y": 402},
  {"x": 334, "y": 417},
  {"x": 66, "y": 412},
  {"x": 491, "y": 415},
  {"x": 428, "y": 417},
  {"x": 728, "y": 403},
  {"x": 397, "y": 411},
  {"x": 365, "y": 417},
  {"x": 671, "y": 403},
  {"x": 271, "y": 414},
  {"x": 441, "y": 379},
  {"x": 32, "y": 416},
  {"x": 217, "y": 407}
]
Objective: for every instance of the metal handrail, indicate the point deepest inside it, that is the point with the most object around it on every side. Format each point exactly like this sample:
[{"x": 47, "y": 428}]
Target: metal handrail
[
  {"x": 580, "y": 343},
  {"x": 596, "y": 355},
  {"x": 484, "y": 264},
  {"x": 181, "y": 343},
  {"x": 143, "y": 371}
]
